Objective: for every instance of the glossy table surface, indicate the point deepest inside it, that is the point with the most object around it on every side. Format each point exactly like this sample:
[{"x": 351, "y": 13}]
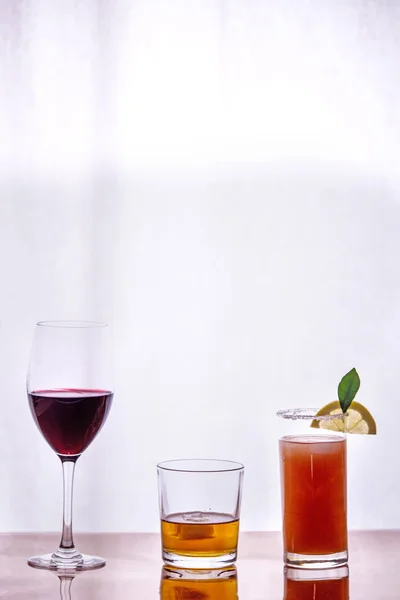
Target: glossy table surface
[{"x": 134, "y": 569}]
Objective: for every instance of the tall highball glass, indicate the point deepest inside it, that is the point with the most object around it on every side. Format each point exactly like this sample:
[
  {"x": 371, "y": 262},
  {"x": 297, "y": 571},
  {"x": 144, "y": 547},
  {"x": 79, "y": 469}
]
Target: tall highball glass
[{"x": 313, "y": 489}]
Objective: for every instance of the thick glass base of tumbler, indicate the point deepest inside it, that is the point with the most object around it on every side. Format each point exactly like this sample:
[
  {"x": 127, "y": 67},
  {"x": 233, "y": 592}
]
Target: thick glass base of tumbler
[
  {"x": 75, "y": 562},
  {"x": 169, "y": 572},
  {"x": 186, "y": 561},
  {"x": 315, "y": 561}
]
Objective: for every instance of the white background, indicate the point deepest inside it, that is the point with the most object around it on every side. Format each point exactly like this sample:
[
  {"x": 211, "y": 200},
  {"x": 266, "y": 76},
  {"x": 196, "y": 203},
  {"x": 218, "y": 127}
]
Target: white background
[{"x": 219, "y": 180}]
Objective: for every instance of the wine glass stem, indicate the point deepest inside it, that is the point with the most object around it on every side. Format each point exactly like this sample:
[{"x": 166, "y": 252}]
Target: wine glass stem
[{"x": 68, "y": 467}]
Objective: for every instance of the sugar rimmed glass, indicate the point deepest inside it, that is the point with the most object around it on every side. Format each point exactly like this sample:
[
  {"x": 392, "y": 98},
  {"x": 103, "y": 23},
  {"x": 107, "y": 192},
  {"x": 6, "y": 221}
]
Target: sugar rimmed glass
[{"x": 313, "y": 488}]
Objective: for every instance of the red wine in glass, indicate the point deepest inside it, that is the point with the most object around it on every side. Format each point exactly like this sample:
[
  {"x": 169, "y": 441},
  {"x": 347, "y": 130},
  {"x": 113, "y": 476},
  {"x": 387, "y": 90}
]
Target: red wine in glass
[
  {"x": 70, "y": 419},
  {"x": 70, "y": 395}
]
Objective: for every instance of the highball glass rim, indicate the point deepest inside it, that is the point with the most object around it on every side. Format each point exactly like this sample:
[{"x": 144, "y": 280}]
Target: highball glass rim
[{"x": 306, "y": 414}]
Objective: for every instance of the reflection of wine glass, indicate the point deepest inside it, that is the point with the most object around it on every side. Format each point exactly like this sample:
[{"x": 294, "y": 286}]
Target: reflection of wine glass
[
  {"x": 70, "y": 394},
  {"x": 313, "y": 584},
  {"x": 65, "y": 586},
  {"x": 190, "y": 584}
]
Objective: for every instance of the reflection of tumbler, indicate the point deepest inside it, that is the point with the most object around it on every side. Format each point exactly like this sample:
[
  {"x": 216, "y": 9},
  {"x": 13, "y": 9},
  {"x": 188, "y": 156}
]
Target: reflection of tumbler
[
  {"x": 181, "y": 584},
  {"x": 329, "y": 584}
]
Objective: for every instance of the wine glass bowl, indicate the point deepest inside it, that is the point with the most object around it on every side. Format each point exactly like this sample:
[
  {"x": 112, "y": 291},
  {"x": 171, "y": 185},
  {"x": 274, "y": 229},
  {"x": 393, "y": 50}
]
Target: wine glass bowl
[
  {"x": 70, "y": 419},
  {"x": 70, "y": 394}
]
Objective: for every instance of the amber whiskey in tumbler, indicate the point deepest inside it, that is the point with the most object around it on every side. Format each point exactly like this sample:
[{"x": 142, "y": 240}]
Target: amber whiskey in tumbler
[{"x": 200, "y": 534}]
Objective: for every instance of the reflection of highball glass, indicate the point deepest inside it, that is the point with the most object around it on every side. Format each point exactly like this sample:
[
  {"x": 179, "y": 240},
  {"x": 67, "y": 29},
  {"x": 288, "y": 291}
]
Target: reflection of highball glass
[
  {"x": 328, "y": 584},
  {"x": 314, "y": 495},
  {"x": 219, "y": 584},
  {"x": 199, "y": 510}
]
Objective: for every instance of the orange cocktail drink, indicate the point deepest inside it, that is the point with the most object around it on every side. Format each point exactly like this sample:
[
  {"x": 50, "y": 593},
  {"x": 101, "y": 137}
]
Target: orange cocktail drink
[{"x": 314, "y": 499}]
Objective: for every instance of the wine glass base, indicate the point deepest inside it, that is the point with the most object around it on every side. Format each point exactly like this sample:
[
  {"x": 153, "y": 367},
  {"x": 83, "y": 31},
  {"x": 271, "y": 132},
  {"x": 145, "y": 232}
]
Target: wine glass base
[{"x": 50, "y": 562}]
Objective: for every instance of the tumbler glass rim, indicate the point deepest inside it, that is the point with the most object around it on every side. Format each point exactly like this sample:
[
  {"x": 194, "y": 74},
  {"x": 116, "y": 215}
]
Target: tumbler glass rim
[{"x": 200, "y": 465}]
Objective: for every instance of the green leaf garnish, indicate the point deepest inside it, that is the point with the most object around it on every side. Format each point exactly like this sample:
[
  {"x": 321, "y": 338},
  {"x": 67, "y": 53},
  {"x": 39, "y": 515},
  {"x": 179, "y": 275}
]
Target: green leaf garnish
[{"x": 348, "y": 388}]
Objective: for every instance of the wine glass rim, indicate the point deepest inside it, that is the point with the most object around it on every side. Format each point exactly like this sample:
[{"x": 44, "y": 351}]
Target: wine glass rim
[
  {"x": 200, "y": 465},
  {"x": 71, "y": 324}
]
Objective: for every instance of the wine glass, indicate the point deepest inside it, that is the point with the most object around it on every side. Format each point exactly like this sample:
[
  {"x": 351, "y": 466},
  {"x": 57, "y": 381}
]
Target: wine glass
[{"x": 70, "y": 395}]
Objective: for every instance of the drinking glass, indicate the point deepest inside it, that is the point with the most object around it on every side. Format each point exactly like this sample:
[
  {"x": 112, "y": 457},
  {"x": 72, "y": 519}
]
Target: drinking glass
[
  {"x": 70, "y": 394},
  {"x": 200, "y": 509},
  {"x": 310, "y": 584},
  {"x": 214, "y": 584},
  {"x": 313, "y": 489}
]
